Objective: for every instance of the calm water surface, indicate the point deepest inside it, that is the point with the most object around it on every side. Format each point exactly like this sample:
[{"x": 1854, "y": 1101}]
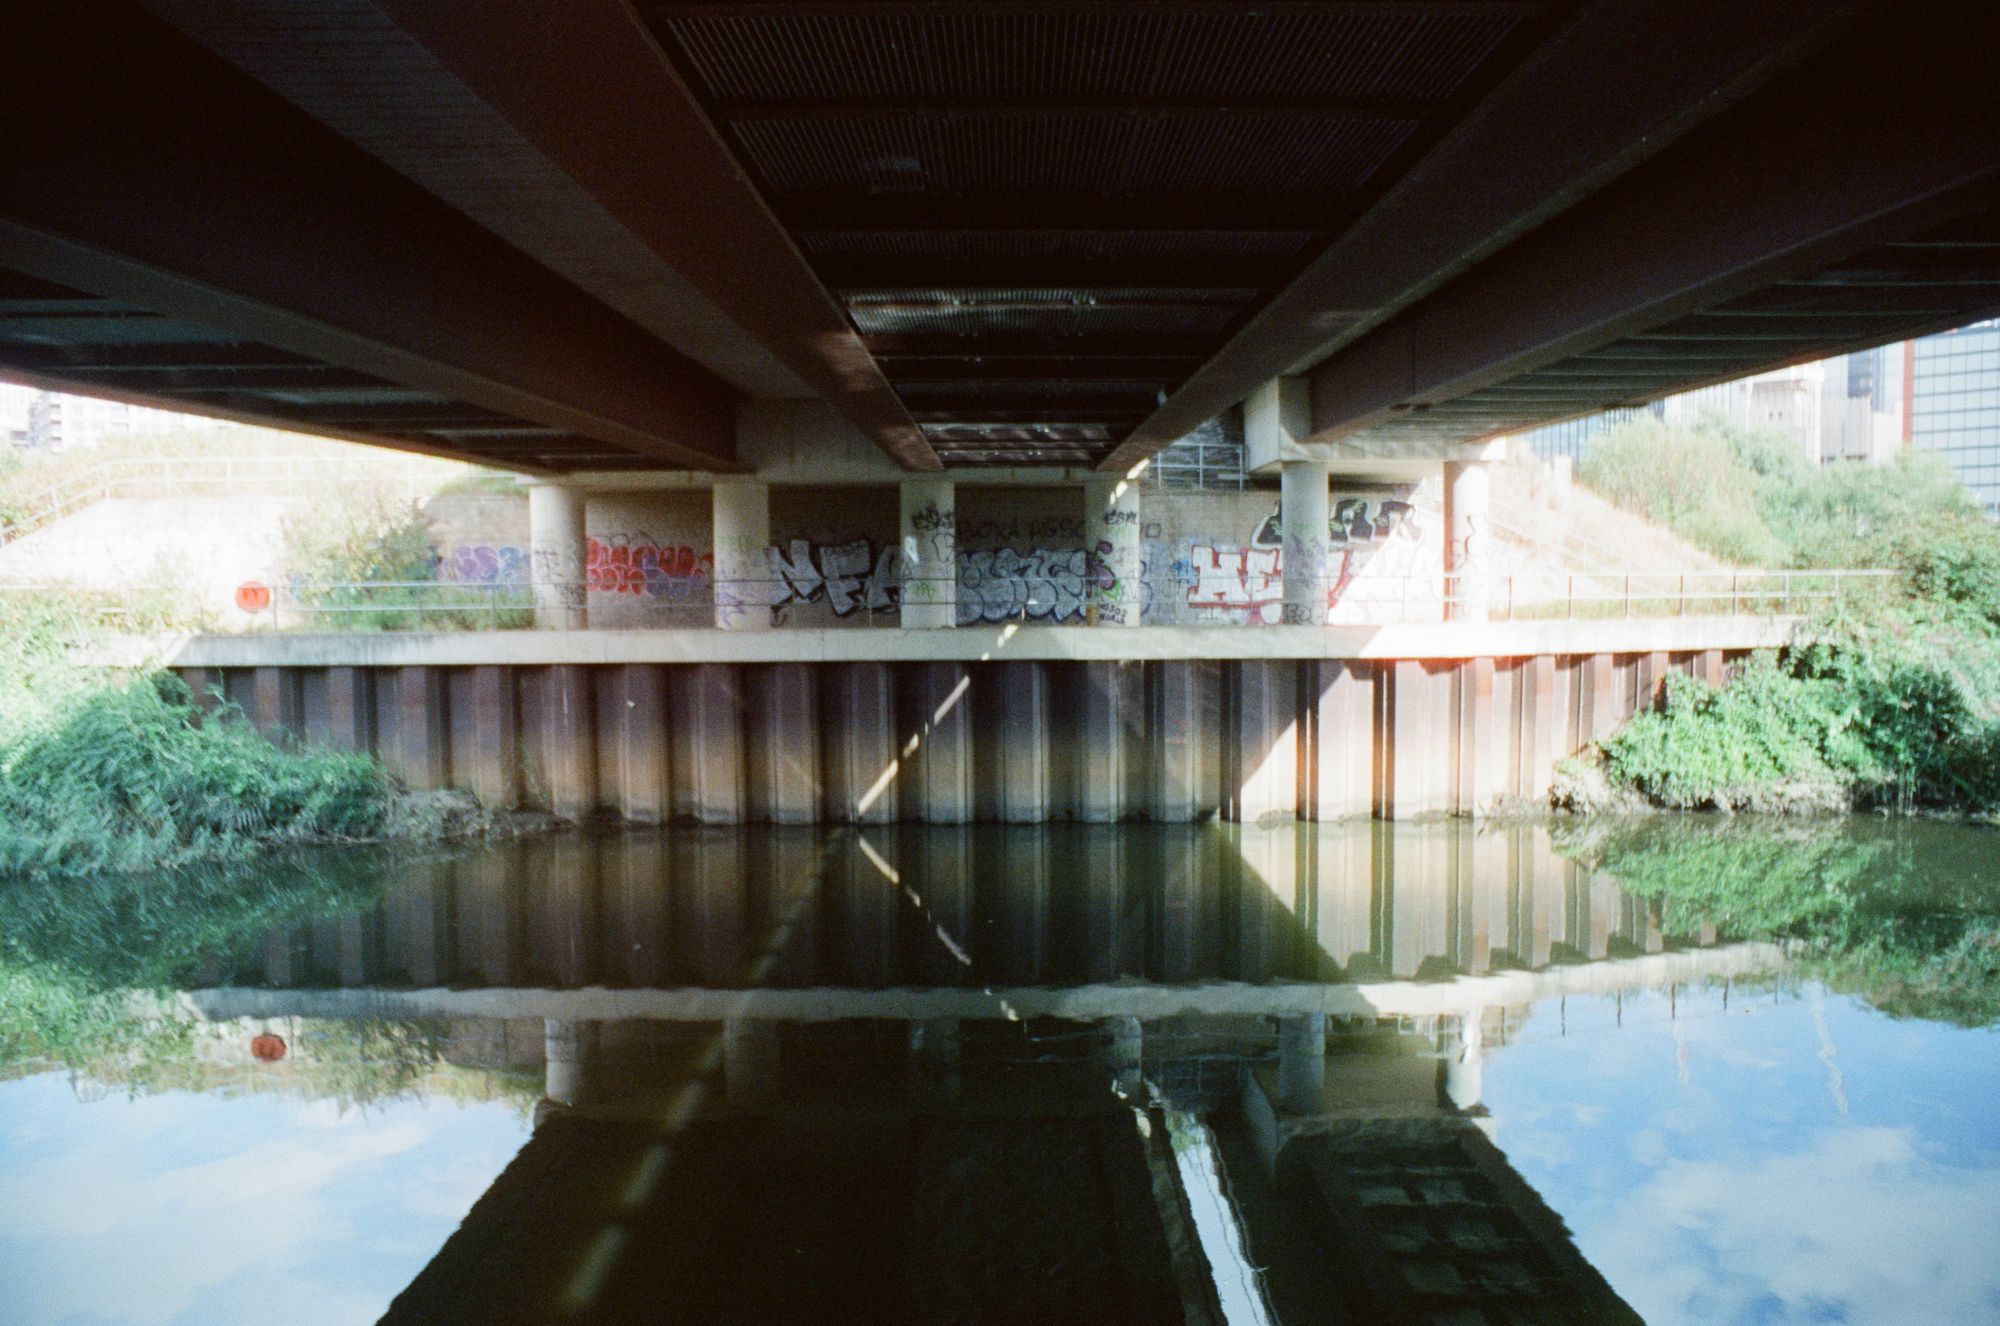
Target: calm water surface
[{"x": 1687, "y": 1071}]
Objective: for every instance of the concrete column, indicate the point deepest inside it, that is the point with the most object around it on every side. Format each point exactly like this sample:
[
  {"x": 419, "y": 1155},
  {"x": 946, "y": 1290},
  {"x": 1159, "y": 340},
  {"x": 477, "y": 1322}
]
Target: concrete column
[
  {"x": 567, "y": 1048},
  {"x": 1302, "y": 1063},
  {"x": 557, "y": 552},
  {"x": 1113, "y": 593},
  {"x": 1127, "y": 1055},
  {"x": 930, "y": 553},
  {"x": 742, "y": 561},
  {"x": 1465, "y": 1063},
  {"x": 1468, "y": 549},
  {"x": 1302, "y": 518}
]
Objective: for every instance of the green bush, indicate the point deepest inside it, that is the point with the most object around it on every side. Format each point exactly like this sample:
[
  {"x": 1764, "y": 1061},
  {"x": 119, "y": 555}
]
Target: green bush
[
  {"x": 1767, "y": 738},
  {"x": 129, "y": 778}
]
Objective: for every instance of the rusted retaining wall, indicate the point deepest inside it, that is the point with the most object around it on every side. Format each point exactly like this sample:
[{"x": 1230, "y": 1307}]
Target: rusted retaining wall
[{"x": 950, "y": 742}]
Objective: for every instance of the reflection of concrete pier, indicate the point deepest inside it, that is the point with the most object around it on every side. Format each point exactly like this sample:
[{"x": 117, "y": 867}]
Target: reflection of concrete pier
[
  {"x": 929, "y": 1071},
  {"x": 964, "y": 905}
]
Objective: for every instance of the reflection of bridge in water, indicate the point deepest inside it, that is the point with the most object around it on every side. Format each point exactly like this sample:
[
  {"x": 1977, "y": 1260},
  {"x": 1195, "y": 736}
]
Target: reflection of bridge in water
[{"x": 968, "y": 1074}]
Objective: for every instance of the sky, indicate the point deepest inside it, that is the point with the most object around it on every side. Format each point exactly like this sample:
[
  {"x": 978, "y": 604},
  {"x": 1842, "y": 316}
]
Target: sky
[
  {"x": 1791, "y": 1160},
  {"x": 186, "y": 1208}
]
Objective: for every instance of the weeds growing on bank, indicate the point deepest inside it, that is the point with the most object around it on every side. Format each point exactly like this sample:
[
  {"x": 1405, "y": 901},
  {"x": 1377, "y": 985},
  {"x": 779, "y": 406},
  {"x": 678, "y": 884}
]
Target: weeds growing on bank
[{"x": 1890, "y": 701}]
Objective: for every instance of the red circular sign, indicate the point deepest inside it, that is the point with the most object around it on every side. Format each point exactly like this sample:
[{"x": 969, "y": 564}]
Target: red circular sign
[
  {"x": 253, "y": 596},
  {"x": 267, "y": 1048}
]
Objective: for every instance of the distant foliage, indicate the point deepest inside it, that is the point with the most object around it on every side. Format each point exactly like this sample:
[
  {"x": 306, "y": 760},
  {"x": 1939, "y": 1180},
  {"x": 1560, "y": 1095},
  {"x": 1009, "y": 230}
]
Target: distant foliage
[
  {"x": 1750, "y": 497},
  {"x": 368, "y": 561},
  {"x": 1890, "y": 700}
]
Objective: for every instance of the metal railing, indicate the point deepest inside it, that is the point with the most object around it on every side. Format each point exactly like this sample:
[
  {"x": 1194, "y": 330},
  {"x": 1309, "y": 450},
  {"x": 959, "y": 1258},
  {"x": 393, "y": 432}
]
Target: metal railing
[
  {"x": 1162, "y": 598},
  {"x": 221, "y": 475}
]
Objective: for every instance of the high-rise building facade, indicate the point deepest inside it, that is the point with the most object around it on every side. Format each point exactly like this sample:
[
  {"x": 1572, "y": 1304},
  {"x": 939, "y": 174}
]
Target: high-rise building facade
[{"x": 1956, "y": 398}]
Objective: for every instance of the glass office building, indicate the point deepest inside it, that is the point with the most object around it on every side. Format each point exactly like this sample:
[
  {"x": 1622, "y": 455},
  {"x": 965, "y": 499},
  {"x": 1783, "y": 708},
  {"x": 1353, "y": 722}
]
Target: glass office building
[{"x": 1957, "y": 406}]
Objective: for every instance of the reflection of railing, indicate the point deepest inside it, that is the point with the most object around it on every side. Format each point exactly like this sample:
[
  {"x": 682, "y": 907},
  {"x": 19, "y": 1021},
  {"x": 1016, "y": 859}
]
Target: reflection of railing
[
  {"x": 1160, "y": 599},
  {"x": 227, "y": 476}
]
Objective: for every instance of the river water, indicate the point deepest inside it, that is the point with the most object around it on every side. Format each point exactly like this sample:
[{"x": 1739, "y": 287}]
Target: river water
[{"x": 1683, "y": 1071}]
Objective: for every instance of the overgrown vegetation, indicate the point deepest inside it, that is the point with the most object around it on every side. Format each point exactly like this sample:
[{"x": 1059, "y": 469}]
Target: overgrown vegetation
[
  {"x": 367, "y": 560},
  {"x": 1890, "y": 699},
  {"x": 1911, "y": 924},
  {"x": 1752, "y": 498}
]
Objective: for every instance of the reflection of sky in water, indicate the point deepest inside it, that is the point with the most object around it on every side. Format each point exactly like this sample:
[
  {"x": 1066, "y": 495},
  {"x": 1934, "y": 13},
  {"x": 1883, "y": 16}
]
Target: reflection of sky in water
[
  {"x": 183, "y": 1208},
  {"x": 1803, "y": 1160}
]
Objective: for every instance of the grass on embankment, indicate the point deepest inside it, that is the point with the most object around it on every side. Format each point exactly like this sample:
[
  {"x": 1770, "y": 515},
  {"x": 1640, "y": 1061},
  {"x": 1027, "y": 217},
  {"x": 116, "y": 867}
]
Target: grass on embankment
[
  {"x": 1885, "y": 702},
  {"x": 97, "y": 776}
]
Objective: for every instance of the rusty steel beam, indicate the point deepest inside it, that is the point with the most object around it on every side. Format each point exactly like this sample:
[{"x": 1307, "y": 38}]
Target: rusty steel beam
[
  {"x": 1588, "y": 104},
  {"x": 142, "y": 168},
  {"x": 1803, "y": 176},
  {"x": 585, "y": 83}
]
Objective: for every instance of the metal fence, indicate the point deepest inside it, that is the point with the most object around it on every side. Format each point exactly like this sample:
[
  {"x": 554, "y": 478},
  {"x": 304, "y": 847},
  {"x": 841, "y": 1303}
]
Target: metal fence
[
  {"x": 1164, "y": 599},
  {"x": 219, "y": 475}
]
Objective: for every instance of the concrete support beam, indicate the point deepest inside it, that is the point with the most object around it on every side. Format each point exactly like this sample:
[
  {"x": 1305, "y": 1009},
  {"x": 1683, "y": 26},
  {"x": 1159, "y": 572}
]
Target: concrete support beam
[
  {"x": 935, "y": 744},
  {"x": 781, "y": 738},
  {"x": 557, "y": 554},
  {"x": 1277, "y": 416},
  {"x": 742, "y": 526},
  {"x": 1114, "y": 595},
  {"x": 707, "y": 744},
  {"x": 1468, "y": 547},
  {"x": 930, "y": 553},
  {"x": 1303, "y": 515}
]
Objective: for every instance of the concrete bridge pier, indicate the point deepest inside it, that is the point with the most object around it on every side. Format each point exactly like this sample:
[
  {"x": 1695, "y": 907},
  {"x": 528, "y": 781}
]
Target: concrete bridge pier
[
  {"x": 930, "y": 553},
  {"x": 1302, "y": 507},
  {"x": 1468, "y": 544},
  {"x": 558, "y": 554},
  {"x": 742, "y": 532},
  {"x": 1114, "y": 595}
]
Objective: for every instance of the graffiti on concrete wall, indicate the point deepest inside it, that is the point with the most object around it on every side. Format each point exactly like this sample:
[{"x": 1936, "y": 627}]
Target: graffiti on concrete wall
[
  {"x": 631, "y": 564},
  {"x": 993, "y": 584},
  {"x": 485, "y": 564},
  {"x": 849, "y": 577},
  {"x": 1245, "y": 582},
  {"x": 1005, "y": 584}
]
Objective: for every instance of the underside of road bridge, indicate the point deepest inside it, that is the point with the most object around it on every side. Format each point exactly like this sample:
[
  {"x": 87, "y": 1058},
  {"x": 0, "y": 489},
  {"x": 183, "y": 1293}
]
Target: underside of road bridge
[{"x": 580, "y": 237}]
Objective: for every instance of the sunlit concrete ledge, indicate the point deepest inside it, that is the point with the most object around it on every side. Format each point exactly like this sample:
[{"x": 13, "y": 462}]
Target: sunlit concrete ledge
[
  {"x": 964, "y": 644},
  {"x": 1088, "y": 1002}
]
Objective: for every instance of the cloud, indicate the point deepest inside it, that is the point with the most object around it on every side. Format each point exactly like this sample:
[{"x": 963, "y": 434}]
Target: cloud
[
  {"x": 1857, "y": 1226},
  {"x": 239, "y": 1205}
]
